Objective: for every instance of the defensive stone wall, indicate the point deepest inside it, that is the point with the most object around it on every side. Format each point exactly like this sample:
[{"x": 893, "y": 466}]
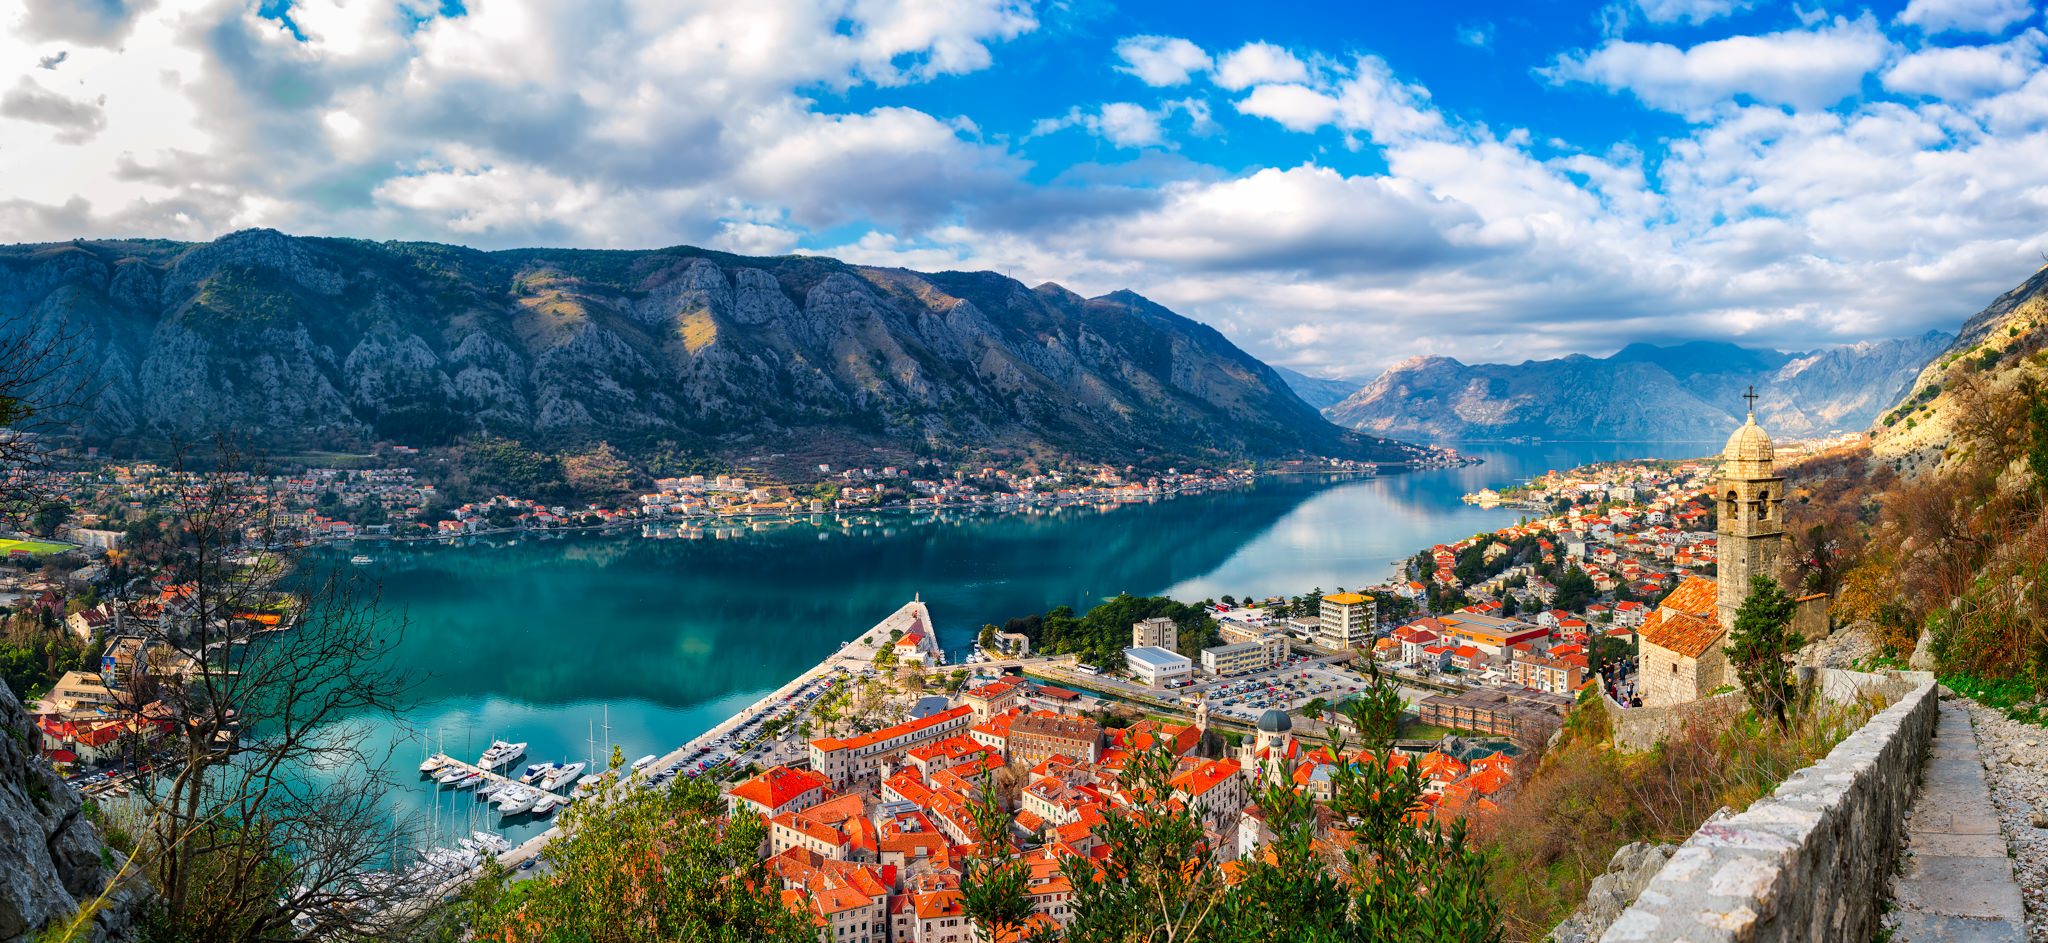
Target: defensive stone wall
[
  {"x": 1808, "y": 861},
  {"x": 1639, "y": 728}
]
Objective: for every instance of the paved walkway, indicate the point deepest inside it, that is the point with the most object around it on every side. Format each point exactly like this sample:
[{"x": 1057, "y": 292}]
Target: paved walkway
[{"x": 1957, "y": 885}]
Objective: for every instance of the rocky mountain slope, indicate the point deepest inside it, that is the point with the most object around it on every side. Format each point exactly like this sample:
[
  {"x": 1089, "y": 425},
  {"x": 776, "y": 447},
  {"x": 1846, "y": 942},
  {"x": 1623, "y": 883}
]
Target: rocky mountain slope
[
  {"x": 333, "y": 343},
  {"x": 1997, "y": 355},
  {"x": 1320, "y": 392},
  {"x": 1689, "y": 392},
  {"x": 52, "y": 860}
]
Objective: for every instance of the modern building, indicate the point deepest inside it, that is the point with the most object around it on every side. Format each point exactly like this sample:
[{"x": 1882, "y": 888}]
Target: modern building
[
  {"x": 1347, "y": 621},
  {"x": 1543, "y": 673},
  {"x": 1158, "y": 667},
  {"x": 1223, "y": 661},
  {"x": 1156, "y": 632},
  {"x": 1489, "y": 633}
]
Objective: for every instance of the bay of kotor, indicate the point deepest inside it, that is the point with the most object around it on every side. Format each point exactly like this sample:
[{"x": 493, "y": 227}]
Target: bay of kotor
[{"x": 546, "y": 641}]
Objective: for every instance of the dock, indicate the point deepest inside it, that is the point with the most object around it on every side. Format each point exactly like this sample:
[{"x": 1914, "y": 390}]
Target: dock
[
  {"x": 853, "y": 656},
  {"x": 448, "y": 761}
]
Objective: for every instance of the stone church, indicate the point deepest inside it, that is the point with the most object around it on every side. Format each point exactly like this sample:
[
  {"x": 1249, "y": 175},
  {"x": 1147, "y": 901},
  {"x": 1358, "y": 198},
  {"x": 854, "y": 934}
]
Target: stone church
[{"x": 1684, "y": 641}]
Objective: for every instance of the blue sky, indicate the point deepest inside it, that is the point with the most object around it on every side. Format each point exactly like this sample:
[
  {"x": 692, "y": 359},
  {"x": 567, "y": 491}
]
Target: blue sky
[{"x": 1335, "y": 186}]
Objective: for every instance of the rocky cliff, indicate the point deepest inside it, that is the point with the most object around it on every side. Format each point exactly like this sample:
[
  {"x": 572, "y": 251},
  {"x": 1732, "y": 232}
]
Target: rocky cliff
[
  {"x": 1689, "y": 392},
  {"x": 52, "y": 860},
  {"x": 328, "y": 343},
  {"x": 1320, "y": 392},
  {"x": 1998, "y": 351}
]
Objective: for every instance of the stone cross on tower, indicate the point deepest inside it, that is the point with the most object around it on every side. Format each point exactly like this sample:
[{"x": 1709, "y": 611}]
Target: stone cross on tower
[{"x": 1751, "y": 396}]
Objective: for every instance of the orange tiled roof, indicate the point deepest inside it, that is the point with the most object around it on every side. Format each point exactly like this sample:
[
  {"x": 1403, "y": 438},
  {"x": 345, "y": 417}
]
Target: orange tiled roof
[
  {"x": 890, "y": 733},
  {"x": 1681, "y": 632},
  {"x": 1697, "y": 595},
  {"x": 779, "y": 786}
]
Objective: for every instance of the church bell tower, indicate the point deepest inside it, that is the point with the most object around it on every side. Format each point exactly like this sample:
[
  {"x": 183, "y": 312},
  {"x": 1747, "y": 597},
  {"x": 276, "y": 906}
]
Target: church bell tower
[{"x": 1750, "y": 498}]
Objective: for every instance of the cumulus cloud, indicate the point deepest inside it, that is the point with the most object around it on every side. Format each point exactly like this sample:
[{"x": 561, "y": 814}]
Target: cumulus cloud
[
  {"x": 1965, "y": 16},
  {"x": 1257, "y": 63},
  {"x": 91, "y": 22},
  {"x": 1804, "y": 68},
  {"x": 1963, "y": 72},
  {"x": 1687, "y": 11},
  {"x": 1478, "y": 36},
  {"x": 1841, "y": 217},
  {"x": 1161, "y": 60},
  {"x": 75, "y": 121}
]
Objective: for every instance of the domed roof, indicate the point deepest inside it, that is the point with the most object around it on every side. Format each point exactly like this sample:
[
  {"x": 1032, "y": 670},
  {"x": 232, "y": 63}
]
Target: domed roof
[
  {"x": 1750, "y": 444},
  {"x": 1275, "y": 721}
]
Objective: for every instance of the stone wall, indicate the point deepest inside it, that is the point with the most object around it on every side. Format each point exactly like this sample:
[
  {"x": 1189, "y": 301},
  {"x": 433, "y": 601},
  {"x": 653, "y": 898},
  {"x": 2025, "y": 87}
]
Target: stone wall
[
  {"x": 1808, "y": 861},
  {"x": 1639, "y": 728}
]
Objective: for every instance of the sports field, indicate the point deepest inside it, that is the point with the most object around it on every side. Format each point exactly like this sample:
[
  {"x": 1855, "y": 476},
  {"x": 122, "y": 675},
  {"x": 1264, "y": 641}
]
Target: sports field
[{"x": 37, "y": 547}]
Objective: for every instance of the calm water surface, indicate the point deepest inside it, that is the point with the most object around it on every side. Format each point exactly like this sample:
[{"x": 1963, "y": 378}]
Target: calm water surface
[{"x": 544, "y": 640}]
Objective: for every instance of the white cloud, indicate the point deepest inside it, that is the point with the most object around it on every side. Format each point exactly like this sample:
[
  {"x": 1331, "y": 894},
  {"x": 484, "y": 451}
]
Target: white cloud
[
  {"x": 1801, "y": 68},
  {"x": 1128, "y": 125},
  {"x": 1258, "y": 63},
  {"x": 1688, "y": 11},
  {"x": 1965, "y": 16},
  {"x": 1478, "y": 37},
  {"x": 1161, "y": 60},
  {"x": 1963, "y": 72}
]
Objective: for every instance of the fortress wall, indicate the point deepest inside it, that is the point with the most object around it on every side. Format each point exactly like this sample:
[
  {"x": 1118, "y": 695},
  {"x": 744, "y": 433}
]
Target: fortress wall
[{"x": 1808, "y": 861}]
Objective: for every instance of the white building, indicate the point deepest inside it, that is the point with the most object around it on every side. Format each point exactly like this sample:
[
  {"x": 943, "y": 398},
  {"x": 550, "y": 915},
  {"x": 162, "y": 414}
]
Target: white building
[{"x": 1158, "y": 667}]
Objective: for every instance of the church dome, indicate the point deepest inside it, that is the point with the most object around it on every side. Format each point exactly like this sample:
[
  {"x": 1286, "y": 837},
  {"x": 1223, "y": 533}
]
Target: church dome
[
  {"x": 1275, "y": 721},
  {"x": 1750, "y": 444}
]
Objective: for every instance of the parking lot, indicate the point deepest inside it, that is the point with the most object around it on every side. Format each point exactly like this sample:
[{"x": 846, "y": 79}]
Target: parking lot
[{"x": 1300, "y": 681}]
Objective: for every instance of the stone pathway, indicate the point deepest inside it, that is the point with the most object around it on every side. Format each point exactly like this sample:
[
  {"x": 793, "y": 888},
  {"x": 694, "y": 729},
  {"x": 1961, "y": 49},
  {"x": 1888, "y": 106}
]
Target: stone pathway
[{"x": 1957, "y": 884}]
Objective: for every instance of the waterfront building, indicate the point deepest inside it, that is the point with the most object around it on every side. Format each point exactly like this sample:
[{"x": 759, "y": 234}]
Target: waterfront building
[
  {"x": 1156, "y": 632},
  {"x": 1346, "y": 621},
  {"x": 844, "y": 761},
  {"x": 777, "y": 791},
  {"x": 1158, "y": 667},
  {"x": 1244, "y": 657}
]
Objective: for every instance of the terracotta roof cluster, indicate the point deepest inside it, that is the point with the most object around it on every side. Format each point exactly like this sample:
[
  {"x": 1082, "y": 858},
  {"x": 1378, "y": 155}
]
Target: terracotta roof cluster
[{"x": 779, "y": 787}]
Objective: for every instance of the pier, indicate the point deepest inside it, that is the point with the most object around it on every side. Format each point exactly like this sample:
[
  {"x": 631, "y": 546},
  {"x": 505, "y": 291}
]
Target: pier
[
  {"x": 854, "y": 655},
  {"x": 447, "y": 761}
]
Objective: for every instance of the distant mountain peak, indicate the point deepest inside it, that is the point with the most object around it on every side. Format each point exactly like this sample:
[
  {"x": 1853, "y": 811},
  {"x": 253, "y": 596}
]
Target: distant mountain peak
[{"x": 1684, "y": 392}]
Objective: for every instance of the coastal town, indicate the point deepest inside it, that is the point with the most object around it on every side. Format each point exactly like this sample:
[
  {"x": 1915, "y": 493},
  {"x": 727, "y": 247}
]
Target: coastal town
[{"x": 868, "y": 767}]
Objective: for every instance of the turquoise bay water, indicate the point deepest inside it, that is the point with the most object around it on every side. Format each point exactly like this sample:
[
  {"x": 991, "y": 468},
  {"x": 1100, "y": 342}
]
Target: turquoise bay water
[{"x": 542, "y": 640}]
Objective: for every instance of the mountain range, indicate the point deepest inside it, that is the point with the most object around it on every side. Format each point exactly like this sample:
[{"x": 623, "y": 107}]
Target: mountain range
[
  {"x": 327, "y": 343},
  {"x": 1682, "y": 393}
]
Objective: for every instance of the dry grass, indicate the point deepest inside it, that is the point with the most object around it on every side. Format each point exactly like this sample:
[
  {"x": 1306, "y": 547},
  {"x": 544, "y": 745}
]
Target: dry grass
[{"x": 1586, "y": 800}]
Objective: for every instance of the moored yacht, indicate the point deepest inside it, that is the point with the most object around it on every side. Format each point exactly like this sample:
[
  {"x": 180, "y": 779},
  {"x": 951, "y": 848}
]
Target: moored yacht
[
  {"x": 562, "y": 776},
  {"x": 501, "y": 753}
]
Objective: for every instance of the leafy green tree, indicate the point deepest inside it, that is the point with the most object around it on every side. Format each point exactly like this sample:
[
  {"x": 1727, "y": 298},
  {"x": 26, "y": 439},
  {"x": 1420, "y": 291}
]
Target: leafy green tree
[
  {"x": 659, "y": 863},
  {"x": 1759, "y": 646},
  {"x": 1574, "y": 590},
  {"x": 1376, "y": 711},
  {"x": 987, "y": 639}
]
